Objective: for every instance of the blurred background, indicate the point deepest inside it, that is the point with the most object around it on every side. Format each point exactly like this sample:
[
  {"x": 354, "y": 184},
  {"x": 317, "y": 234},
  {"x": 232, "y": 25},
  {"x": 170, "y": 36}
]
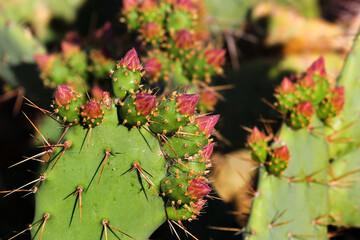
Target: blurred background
[{"x": 265, "y": 41}]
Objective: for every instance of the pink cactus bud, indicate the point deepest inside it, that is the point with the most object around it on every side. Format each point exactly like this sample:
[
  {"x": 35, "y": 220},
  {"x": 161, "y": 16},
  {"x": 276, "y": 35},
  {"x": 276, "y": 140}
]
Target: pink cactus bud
[
  {"x": 307, "y": 81},
  {"x": 187, "y": 103},
  {"x": 184, "y": 39},
  {"x": 305, "y": 108},
  {"x": 129, "y": 5},
  {"x": 148, "y": 5},
  {"x": 131, "y": 61},
  {"x": 282, "y": 153},
  {"x": 215, "y": 57},
  {"x": 209, "y": 99},
  {"x": 185, "y": 5},
  {"x": 105, "y": 31},
  {"x": 198, "y": 189},
  {"x": 207, "y": 151},
  {"x": 97, "y": 93},
  {"x": 318, "y": 68},
  {"x": 207, "y": 123},
  {"x": 198, "y": 206},
  {"x": 256, "y": 136},
  {"x": 91, "y": 110},
  {"x": 286, "y": 86},
  {"x": 69, "y": 48},
  {"x": 42, "y": 60},
  {"x": 153, "y": 67},
  {"x": 145, "y": 103},
  {"x": 150, "y": 30},
  {"x": 63, "y": 95},
  {"x": 338, "y": 98}
]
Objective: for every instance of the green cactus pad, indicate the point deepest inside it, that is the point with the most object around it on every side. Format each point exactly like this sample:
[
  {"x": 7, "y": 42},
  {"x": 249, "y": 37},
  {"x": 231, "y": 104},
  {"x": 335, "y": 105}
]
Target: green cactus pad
[{"x": 110, "y": 199}]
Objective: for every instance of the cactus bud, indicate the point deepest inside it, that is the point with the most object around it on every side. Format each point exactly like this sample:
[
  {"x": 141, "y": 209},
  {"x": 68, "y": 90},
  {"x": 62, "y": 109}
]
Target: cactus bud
[
  {"x": 63, "y": 95},
  {"x": 256, "y": 136},
  {"x": 258, "y": 144},
  {"x": 305, "y": 108},
  {"x": 286, "y": 86},
  {"x": 215, "y": 57},
  {"x": 338, "y": 99},
  {"x": 187, "y": 103},
  {"x": 317, "y": 68},
  {"x": 129, "y": 5},
  {"x": 69, "y": 49},
  {"x": 43, "y": 61},
  {"x": 184, "y": 39},
  {"x": 91, "y": 110},
  {"x": 97, "y": 93},
  {"x": 278, "y": 162},
  {"x": 198, "y": 189},
  {"x": 207, "y": 123},
  {"x": 207, "y": 151},
  {"x": 153, "y": 67},
  {"x": 282, "y": 153},
  {"x": 131, "y": 61},
  {"x": 145, "y": 103}
]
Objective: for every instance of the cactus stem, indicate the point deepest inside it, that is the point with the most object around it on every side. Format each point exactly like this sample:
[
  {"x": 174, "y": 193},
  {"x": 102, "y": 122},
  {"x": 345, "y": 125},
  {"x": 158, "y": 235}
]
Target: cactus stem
[
  {"x": 41, "y": 178},
  {"x": 164, "y": 138}
]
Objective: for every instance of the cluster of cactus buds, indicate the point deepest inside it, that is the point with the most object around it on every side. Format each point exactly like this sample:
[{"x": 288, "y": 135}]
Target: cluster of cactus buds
[
  {"x": 72, "y": 66},
  {"x": 276, "y": 158},
  {"x": 311, "y": 93},
  {"x": 184, "y": 135},
  {"x": 174, "y": 33}
]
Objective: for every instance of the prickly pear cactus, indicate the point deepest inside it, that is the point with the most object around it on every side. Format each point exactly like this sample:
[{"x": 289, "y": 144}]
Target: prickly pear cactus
[
  {"x": 113, "y": 173},
  {"x": 178, "y": 46},
  {"x": 322, "y": 181}
]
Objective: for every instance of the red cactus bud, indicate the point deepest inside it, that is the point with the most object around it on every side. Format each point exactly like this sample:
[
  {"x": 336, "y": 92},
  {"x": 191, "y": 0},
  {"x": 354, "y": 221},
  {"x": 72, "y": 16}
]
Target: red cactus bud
[
  {"x": 184, "y": 39},
  {"x": 282, "y": 153},
  {"x": 198, "y": 206},
  {"x": 305, "y": 108},
  {"x": 153, "y": 67},
  {"x": 42, "y": 60},
  {"x": 97, "y": 93},
  {"x": 131, "y": 61},
  {"x": 286, "y": 86},
  {"x": 207, "y": 151},
  {"x": 145, "y": 103},
  {"x": 148, "y": 5},
  {"x": 198, "y": 189},
  {"x": 69, "y": 48},
  {"x": 317, "y": 68},
  {"x": 185, "y": 5},
  {"x": 207, "y": 123},
  {"x": 187, "y": 103},
  {"x": 338, "y": 99},
  {"x": 105, "y": 31},
  {"x": 215, "y": 57},
  {"x": 209, "y": 99},
  {"x": 307, "y": 81},
  {"x": 150, "y": 30},
  {"x": 256, "y": 136},
  {"x": 63, "y": 95},
  {"x": 91, "y": 110},
  {"x": 129, "y": 5}
]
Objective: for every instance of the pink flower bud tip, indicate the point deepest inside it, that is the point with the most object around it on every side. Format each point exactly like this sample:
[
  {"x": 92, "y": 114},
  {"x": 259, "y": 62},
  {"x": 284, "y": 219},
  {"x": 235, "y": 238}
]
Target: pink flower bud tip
[
  {"x": 92, "y": 110},
  {"x": 286, "y": 86},
  {"x": 42, "y": 60},
  {"x": 198, "y": 189},
  {"x": 63, "y": 95},
  {"x": 187, "y": 103},
  {"x": 318, "y": 67},
  {"x": 152, "y": 67},
  {"x": 215, "y": 57},
  {"x": 282, "y": 153},
  {"x": 184, "y": 39},
  {"x": 305, "y": 108},
  {"x": 256, "y": 136},
  {"x": 131, "y": 61},
  {"x": 145, "y": 103},
  {"x": 207, "y": 123}
]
